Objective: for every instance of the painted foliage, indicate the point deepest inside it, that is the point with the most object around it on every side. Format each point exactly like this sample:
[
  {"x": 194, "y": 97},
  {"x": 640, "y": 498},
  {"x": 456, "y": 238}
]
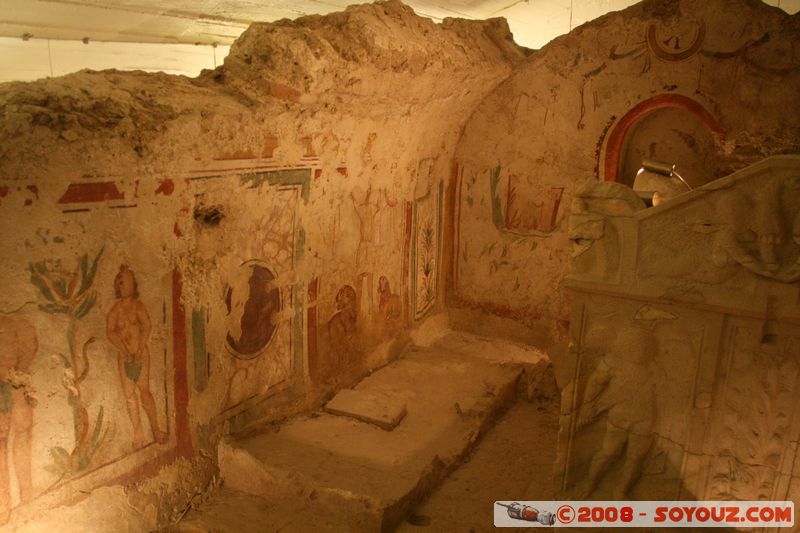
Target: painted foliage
[
  {"x": 427, "y": 249},
  {"x": 522, "y": 207}
]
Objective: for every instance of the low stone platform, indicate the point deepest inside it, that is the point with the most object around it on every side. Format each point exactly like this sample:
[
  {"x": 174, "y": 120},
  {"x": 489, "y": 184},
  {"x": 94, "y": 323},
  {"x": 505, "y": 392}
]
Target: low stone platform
[{"x": 329, "y": 472}]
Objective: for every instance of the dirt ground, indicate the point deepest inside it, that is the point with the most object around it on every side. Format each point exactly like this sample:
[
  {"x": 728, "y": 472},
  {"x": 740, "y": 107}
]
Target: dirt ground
[{"x": 513, "y": 461}]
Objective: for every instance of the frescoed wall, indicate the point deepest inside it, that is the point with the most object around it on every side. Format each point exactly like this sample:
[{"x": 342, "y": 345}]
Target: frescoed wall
[
  {"x": 247, "y": 332},
  {"x": 428, "y": 221},
  {"x": 89, "y": 369},
  {"x": 360, "y": 304},
  {"x": 703, "y": 85},
  {"x": 183, "y": 258}
]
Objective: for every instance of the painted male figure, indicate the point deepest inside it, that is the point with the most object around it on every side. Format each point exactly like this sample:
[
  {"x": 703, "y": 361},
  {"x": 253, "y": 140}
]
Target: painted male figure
[
  {"x": 18, "y": 346},
  {"x": 128, "y": 329}
]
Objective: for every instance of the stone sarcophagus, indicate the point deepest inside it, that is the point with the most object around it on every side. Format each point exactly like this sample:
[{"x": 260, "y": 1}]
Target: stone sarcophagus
[{"x": 685, "y": 342}]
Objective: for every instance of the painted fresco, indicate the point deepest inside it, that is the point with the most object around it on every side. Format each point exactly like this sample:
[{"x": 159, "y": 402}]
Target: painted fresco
[
  {"x": 86, "y": 376},
  {"x": 427, "y": 249},
  {"x": 523, "y": 207},
  {"x": 249, "y": 319},
  {"x": 93, "y": 383},
  {"x": 722, "y": 68},
  {"x": 526, "y": 215},
  {"x": 358, "y": 303},
  {"x": 253, "y": 310},
  {"x": 529, "y": 209}
]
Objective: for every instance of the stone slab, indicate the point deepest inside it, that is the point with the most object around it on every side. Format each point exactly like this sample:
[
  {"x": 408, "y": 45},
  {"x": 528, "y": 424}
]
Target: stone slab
[
  {"x": 361, "y": 475},
  {"x": 375, "y": 408}
]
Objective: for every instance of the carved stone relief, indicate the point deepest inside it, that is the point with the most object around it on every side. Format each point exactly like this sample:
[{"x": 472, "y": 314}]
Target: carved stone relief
[
  {"x": 753, "y": 427},
  {"x": 740, "y": 227},
  {"x": 596, "y": 240},
  {"x": 685, "y": 375},
  {"x": 628, "y": 419},
  {"x": 626, "y": 413}
]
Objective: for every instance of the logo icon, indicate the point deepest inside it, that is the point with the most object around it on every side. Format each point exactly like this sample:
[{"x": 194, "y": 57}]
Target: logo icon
[
  {"x": 565, "y": 514},
  {"x": 527, "y": 513}
]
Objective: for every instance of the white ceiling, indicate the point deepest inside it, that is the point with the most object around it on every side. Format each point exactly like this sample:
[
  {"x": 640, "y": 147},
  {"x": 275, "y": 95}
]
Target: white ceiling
[
  {"x": 45, "y": 38},
  {"x": 534, "y": 22}
]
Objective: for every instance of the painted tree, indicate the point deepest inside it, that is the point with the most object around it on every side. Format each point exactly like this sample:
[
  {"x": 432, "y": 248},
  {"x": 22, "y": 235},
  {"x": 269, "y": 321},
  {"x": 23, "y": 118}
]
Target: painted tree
[{"x": 71, "y": 294}]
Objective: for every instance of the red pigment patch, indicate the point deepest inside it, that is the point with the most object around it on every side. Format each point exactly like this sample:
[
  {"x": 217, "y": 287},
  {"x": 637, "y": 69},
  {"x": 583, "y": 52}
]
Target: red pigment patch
[
  {"x": 91, "y": 192},
  {"x": 166, "y": 187},
  {"x": 182, "y": 431}
]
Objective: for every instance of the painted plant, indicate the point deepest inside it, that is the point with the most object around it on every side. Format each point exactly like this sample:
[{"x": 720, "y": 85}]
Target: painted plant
[
  {"x": 427, "y": 245},
  {"x": 71, "y": 294}
]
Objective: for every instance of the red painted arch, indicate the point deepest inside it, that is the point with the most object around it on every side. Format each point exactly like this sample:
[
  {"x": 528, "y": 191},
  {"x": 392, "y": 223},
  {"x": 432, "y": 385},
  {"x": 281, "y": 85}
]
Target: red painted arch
[{"x": 661, "y": 101}]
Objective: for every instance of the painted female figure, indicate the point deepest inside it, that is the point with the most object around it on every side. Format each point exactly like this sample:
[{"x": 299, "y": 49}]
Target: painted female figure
[{"x": 128, "y": 329}]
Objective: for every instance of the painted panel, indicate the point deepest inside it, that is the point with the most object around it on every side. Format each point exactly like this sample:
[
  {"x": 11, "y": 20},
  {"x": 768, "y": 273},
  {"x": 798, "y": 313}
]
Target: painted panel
[
  {"x": 249, "y": 290},
  {"x": 357, "y": 303},
  {"x": 428, "y": 213},
  {"x": 88, "y": 377}
]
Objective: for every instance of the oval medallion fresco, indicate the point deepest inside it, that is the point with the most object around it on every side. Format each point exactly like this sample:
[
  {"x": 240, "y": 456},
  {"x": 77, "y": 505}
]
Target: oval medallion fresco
[{"x": 253, "y": 304}]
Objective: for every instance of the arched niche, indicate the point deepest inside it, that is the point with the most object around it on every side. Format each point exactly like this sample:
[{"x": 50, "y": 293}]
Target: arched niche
[{"x": 670, "y": 128}]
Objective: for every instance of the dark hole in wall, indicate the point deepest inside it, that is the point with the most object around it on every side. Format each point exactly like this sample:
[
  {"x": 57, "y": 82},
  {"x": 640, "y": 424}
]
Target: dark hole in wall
[
  {"x": 769, "y": 338},
  {"x": 209, "y": 215}
]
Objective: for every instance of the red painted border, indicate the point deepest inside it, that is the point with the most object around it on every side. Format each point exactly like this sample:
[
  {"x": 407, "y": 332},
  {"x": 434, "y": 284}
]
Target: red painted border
[
  {"x": 311, "y": 304},
  {"x": 661, "y": 101},
  {"x": 407, "y": 261},
  {"x": 183, "y": 434},
  {"x": 457, "y": 224},
  {"x": 450, "y": 244}
]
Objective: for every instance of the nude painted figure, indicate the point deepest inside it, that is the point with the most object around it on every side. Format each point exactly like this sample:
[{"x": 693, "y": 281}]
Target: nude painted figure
[
  {"x": 18, "y": 346},
  {"x": 128, "y": 329}
]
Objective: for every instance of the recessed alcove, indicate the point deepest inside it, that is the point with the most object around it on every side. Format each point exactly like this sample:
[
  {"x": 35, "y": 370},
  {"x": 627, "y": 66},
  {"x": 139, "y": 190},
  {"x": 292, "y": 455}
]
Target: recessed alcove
[{"x": 675, "y": 136}]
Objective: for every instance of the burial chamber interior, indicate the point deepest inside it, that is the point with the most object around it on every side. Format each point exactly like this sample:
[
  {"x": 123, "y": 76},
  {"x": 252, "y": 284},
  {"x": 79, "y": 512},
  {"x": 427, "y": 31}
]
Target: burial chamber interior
[{"x": 374, "y": 270}]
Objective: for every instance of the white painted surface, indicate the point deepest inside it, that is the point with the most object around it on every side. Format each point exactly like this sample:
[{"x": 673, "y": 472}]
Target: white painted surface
[
  {"x": 790, "y": 6},
  {"x": 39, "y": 58},
  {"x": 161, "y": 35},
  {"x": 23, "y": 60}
]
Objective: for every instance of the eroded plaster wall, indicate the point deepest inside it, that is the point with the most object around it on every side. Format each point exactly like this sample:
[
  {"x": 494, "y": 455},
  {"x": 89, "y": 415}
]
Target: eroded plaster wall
[
  {"x": 567, "y": 116},
  {"x": 182, "y": 257}
]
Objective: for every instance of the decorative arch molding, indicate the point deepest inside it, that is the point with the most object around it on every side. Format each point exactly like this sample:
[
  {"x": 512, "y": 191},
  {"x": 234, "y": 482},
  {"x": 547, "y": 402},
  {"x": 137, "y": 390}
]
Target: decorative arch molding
[{"x": 617, "y": 135}]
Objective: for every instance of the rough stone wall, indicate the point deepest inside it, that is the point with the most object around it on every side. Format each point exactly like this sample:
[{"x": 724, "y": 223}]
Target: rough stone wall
[
  {"x": 568, "y": 113},
  {"x": 181, "y": 257}
]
